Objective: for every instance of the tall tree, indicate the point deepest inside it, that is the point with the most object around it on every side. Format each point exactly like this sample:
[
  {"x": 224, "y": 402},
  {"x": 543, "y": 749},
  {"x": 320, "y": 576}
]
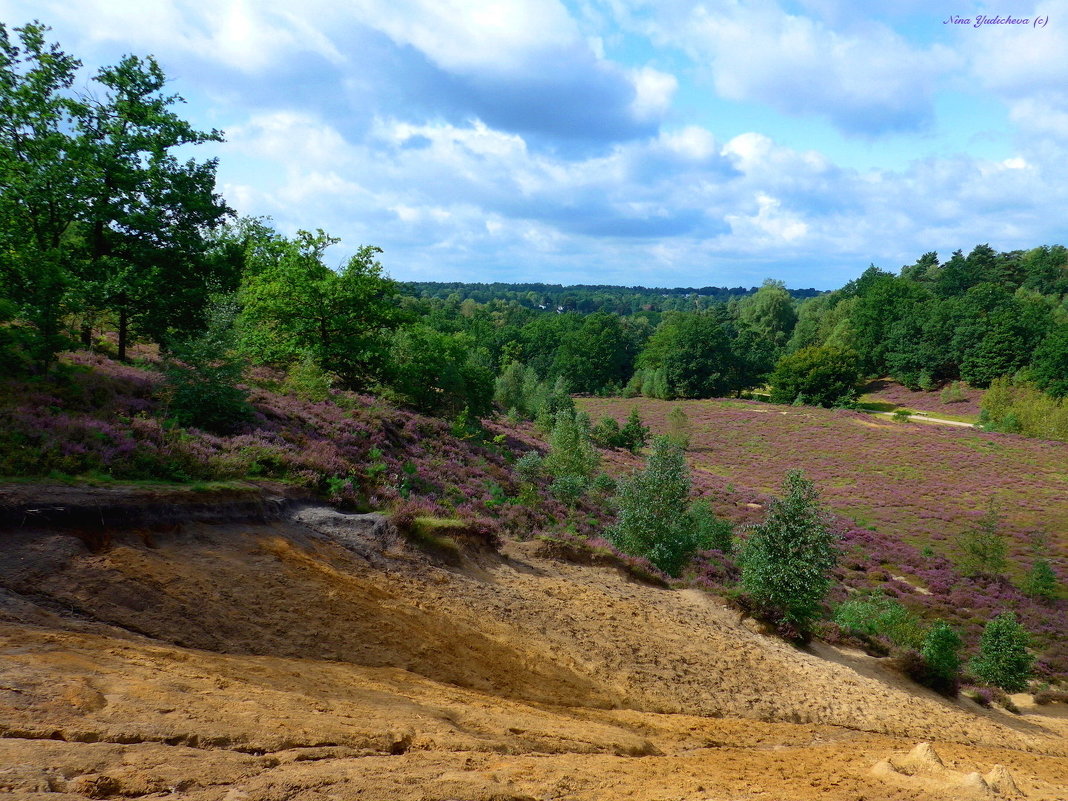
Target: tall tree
[
  {"x": 146, "y": 212},
  {"x": 39, "y": 173}
]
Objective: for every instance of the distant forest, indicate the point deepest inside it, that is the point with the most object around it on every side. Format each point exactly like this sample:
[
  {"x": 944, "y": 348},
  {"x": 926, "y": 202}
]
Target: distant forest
[{"x": 587, "y": 298}]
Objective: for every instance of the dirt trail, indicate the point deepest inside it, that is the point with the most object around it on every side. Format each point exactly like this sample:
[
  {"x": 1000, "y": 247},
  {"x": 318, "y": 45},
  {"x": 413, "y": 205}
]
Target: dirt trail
[{"x": 321, "y": 657}]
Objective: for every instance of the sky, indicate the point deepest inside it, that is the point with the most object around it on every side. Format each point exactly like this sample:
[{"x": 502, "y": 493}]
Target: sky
[{"x": 628, "y": 142}]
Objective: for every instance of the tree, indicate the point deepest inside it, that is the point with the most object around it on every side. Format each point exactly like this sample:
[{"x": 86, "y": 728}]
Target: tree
[
  {"x": 570, "y": 451},
  {"x": 984, "y": 546},
  {"x": 1049, "y": 364},
  {"x": 769, "y": 312},
  {"x": 39, "y": 199},
  {"x": 695, "y": 355},
  {"x": 634, "y": 435},
  {"x": 1003, "y": 660},
  {"x": 787, "y": 560},
  {"x": 600, "y": 354},
  {"x": 295, "y": 305},
  {"x": 941, "y": 652},
  {"x": 1041, "y": 581},
  {"x": 820, "y": 376},
  {"x": 653, "y": 520},
  {"x": 439, "y": 373},
  {"x": 146, "y": 213}
]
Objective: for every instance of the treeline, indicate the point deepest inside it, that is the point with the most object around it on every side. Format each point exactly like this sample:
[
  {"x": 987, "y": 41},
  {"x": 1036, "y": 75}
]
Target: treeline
[{"x": 586, "y": 298}]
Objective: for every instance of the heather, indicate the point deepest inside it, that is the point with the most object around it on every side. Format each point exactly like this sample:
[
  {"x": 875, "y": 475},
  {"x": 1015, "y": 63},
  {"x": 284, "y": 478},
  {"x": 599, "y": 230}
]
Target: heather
[
  {"x": 901, "y": 497},
  {"x": 95, "y": 418},
  {"x": 956, "y": 399}
]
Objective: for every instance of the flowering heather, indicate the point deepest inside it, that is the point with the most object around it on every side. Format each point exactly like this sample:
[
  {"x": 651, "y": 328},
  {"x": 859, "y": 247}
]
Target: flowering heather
[
  {"x": 95, "y": 417},
  {"x": 901, "y": 495},
  {"x": 891, "y": 392}
]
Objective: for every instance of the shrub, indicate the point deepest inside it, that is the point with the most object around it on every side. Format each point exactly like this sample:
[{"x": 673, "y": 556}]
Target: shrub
[
  {"x": 568, "y": 488},
  {"x": 653, "y": 522},
  {"x": 711, "y": 532},
  {"x": 634, "y": 435},
  {"x": 941, "y": 652},
  {"x": 678, "y": 427},
  {"x": 817, "y": 375},
  {"x": 880, "y": 616},
  {"x": 787, "y": 560},
  {"x": 606, "y": 433},
  {"x": 984, "y": 546},
  {"x": 530, "y": 466},
  {"x": 570, "y": 452},
  {"x": 201, "y": 387},
  {"x": 1041, "y": 581},
  {"x": 307, "y": 380},
  {"x": 1003, "y": 660}
]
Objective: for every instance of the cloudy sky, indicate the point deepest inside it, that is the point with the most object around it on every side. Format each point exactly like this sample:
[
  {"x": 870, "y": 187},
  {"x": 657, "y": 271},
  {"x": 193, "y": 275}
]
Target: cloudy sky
[{"x": 653, "y": 142}]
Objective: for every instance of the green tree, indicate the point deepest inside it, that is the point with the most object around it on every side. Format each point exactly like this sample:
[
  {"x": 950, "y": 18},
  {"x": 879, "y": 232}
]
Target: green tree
[
  {"x": 1049, "y": 364},
  {"x": 39, "y": 187},
  {"x": 146, "y": 212},
  {"x": 634, "y": 435},
  {"x": 1003, "y": 659},
  {"x": 695, "y": 355},
  {"x": 570, "y": 451},
  {"x": 439, "y": 373},
  {"x": 769, "y": 312},
  {"x": 653, "y": 520},
  {"x": 1041, "y": 581},
  {"x": 600, "y": 354},
  {"x": 820, "y": 376},
  {"x": 984, "y": 546},
  {"x": 678, "y": 427},
  {"x": 295, "y": 305},
  {"x": 941, "y": 652},
  {"x": 787, "y": 560}
]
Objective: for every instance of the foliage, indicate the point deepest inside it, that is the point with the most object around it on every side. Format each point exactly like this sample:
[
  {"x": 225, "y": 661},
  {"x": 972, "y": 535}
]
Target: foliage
[
  {"x": 787, "y": 560},
  {"x": 1003, "y": 659},
  {"x": 1021, "y": 408},
  {"x": 294, "y": 306},
  {"x": 437, "y": 373},
  {"x": 984, "y": 546},
  {"x": 678, "y": 427},
  {"x": 880, "y": 616},
  {"x": 307, "y": 380},
  {"x": 694, "y": 354},
  {"x": 710, "y": 532},
  {"x": 570, "y": 451},
  {"x": 1041, "y": 581},
  {"x": 634, "y": 435},
  {"x": 941, "y": 651},
  {"x": 202, "y": 383},
  {"x": 818, "y": 375},
  {"x": 653, "y": 520}
]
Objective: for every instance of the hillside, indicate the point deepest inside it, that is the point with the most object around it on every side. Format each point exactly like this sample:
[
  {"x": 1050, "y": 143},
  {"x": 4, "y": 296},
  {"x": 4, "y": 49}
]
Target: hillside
[
  {"x": 316, "y": 654},
  {"x": 903, "y": 493}
]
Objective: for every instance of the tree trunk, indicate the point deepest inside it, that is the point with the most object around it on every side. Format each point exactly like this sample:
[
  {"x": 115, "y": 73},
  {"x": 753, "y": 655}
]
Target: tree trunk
[{"x": 122, "y": 331}]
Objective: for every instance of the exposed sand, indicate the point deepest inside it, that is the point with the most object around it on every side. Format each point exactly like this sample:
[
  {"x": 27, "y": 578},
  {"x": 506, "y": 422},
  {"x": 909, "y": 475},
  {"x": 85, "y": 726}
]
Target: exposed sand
[{"x": 322, "y": 658}]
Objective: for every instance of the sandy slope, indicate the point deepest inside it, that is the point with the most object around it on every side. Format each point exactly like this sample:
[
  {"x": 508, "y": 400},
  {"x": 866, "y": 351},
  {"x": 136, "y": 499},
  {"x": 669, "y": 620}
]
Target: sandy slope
[{"x": 316, "y": 659}]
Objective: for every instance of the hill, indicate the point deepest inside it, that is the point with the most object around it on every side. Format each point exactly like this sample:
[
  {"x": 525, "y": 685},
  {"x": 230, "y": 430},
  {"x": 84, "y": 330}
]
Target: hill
[{"x": 317, "y": 655}]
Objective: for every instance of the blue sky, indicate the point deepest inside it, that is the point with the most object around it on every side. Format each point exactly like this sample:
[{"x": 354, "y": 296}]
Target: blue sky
[{"x": 661, "y": 143}]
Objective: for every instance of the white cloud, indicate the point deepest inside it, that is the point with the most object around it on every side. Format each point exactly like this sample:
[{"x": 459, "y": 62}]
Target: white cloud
[{"x": 653, "y": 91}]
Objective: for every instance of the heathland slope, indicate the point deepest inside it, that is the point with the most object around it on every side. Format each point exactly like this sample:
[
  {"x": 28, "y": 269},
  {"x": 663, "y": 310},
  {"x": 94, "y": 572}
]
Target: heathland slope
[{"x": 309, "y": 654}]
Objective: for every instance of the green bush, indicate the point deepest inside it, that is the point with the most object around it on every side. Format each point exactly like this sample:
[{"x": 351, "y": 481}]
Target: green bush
[
  {"x": 679, "y": 427},
  {"x": 710, "y": 532},
  {"x": 816, "y": 375},
  {"x": 1041, "y": 581},
  {"x": 570, "y": 451},
  {"x": 634, "y": 435},
  {"x": 653, "y": 520},
  {"x": 878, "y": 615},
  {"x": 307, "y": 380},
  {"x": 1003, "y": 660},
  {"x": 984, "y": 546},
  {"x": 941, "y": 651},
  {"x": 787, "y": 560}
]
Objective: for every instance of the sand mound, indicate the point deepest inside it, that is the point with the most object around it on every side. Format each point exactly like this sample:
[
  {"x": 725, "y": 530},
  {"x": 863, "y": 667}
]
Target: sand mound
[{"x": 323, "y": 652}]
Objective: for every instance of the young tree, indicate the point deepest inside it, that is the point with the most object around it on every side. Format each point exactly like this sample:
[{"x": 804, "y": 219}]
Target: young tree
[
  {"x": 1003, "y": 659},
  {"x": 634, "y": 435},
  {"x": 984, "y": 546},
  {"x": 787, "y": 560},
  {"x": 570, "y": 451},
  {"x": 679, "y": 427},
  {"x": 941, "y": 652},
  {"x": 1041, "y": 581},
  {"x": 653, "y": 520}
]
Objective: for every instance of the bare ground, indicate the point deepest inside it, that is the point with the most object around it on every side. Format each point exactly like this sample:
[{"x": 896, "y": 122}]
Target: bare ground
[{"x": 320, "y": 657}]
